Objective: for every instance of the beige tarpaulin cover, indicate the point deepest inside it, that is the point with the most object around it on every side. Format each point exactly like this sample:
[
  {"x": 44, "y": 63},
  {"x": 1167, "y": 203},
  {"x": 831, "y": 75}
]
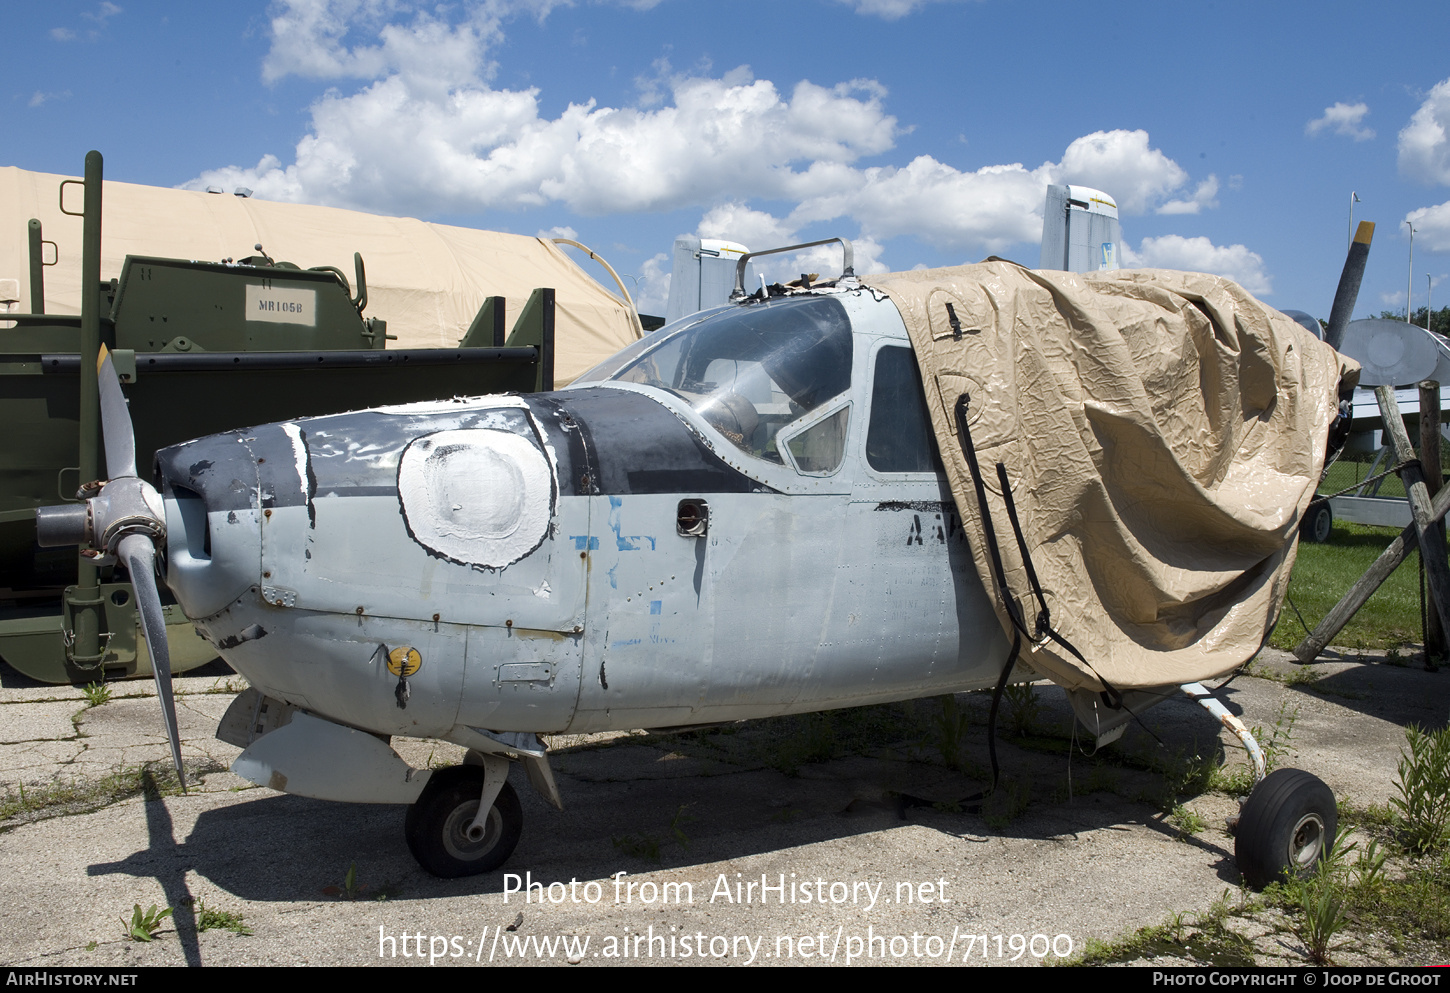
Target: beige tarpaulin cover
[
  {"x": 426, "y": 280},
  {"x": 1163, "y": 432}
]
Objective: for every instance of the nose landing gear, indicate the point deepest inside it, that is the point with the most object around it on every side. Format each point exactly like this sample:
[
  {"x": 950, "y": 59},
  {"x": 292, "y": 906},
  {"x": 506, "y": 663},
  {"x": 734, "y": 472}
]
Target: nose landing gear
[{"x": 444, "y": 832}]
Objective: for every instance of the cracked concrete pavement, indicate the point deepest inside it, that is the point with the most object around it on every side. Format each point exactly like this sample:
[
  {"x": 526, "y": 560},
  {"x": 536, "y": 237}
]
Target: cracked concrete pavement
[{"x": 1090, "y": 855}]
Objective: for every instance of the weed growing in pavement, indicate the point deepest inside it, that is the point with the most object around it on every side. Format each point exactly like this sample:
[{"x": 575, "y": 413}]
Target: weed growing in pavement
[
  {"x": 949, "y": 728},
  {"x": 1102, "y": 778},
  {"x": 639, "y": 846},
  {"x": 1006, "y": 803},
  {"x": 1369, "y": 871},
  {"x": 1276, "y": 746},
  {"x": 1187, "y": 822},
  {"x": 212, "y": 919},
  {"x": 143, "y": 925},
  {"x": 1281, "y": 739},
  {"x": 350, "y": 889},
  {"x": 1302, "y": 676},
  {"x": 813, "y": 740},
  {"x": 82, "y": 796},
  {"x": 1423, "y": 785},
  {"x": 1321, "y": 899},
  {"x": 1024, "y": 710},
  {"x": 646, "y": 846},
  {"x": 1322, "y": 903},
  {"x": 1207, "y": 941},
  {"x": 97, "y": 694},
  {"x": 680, "y": 837}
]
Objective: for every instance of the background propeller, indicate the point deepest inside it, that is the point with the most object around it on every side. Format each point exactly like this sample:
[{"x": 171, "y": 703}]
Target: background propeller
[{"x": 1347, "y": 292}]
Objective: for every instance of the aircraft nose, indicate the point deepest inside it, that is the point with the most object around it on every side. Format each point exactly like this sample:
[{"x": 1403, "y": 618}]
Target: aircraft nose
[{"x": 217, "y": 492}]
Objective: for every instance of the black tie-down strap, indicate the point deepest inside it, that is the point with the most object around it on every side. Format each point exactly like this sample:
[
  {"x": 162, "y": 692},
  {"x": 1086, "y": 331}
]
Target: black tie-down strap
[{"x": 1043, "y": 628}]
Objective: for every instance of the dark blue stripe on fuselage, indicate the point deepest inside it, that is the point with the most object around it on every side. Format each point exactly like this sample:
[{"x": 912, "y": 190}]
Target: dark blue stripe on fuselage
[
  {"x": 621, "y": 442},
  {"x": 607, "y": 442}
]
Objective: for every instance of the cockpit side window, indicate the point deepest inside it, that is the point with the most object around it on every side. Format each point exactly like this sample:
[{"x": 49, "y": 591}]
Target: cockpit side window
[
  {"x": 820, "y": 449},
  {"x": 899, "y": 437},
  {"x": 752, "y": 370}
]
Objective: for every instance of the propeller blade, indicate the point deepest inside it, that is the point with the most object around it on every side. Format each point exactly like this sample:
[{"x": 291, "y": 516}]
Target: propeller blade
[
  {"x": 115, "y": 420},
  {"x": 1348, "y": 290},
  {"x": 139, "y": 554}
]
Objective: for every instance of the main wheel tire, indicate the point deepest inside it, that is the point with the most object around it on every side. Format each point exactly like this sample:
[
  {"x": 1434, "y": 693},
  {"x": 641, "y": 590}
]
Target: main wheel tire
[
  {"x": 437, "y": 824},
  {"x": 1318, "y": 520},
  {"x": 1286, "y": 826}
]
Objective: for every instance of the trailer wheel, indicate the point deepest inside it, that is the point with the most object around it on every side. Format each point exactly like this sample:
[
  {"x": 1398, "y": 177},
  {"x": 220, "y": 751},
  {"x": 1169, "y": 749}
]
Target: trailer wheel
[
  {"x": 1318, "y": 520},
  {"x": 436, "y": 827},
  {"x": 1286, "y": 827}
]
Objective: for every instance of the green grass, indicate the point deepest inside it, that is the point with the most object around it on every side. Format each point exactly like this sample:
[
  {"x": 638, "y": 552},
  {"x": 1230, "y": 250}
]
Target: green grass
[
  {"x": 1344, "y": 474},
  {"x": 82, "y": 796},
  {"x": 213, "y": 919},
  {"x": 787, "y": 744},
  {"x": 1423, "y": 785},
  {"x": 1324, "y": 573},
  {"x": 1393, "y": 912},
  {"x": 1206, "y": 939},
  {"x": 1384, "y": 896}
]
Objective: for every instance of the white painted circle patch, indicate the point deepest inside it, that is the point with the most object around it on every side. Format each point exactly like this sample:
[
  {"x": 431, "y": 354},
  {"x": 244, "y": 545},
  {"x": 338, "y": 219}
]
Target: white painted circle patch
[{"x": 477, "y": 496}]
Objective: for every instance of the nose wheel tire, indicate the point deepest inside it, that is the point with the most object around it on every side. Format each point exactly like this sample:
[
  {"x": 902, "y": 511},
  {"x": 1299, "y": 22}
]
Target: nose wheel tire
[
  {"x": 437, "y": 825},
  {"x": 1286, "y": 826}
]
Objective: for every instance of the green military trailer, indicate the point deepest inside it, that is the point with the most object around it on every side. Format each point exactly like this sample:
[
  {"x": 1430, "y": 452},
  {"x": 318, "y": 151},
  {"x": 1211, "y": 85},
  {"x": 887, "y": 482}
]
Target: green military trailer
[{"x": 201, "y": 347}]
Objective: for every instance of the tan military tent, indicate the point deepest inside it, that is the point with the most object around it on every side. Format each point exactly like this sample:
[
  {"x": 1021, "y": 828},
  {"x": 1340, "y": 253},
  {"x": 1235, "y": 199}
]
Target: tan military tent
[
  {"x": 1161, "y": 433},
  {"x": 426, "y": 280}
]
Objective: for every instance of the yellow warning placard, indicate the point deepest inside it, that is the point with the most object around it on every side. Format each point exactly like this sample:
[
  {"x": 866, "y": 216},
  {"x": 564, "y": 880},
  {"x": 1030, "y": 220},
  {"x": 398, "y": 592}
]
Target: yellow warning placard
[{"x": 404, "y": 661}]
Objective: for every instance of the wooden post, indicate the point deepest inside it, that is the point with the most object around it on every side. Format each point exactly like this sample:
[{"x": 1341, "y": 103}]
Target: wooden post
[
  {"x": 1430, "y": 459},
  {"x": 1334, "y": 621},
  {"x": 1437, "y": 569}
]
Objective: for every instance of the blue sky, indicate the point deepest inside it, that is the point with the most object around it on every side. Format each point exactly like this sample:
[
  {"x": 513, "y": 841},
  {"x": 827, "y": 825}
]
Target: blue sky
[{"x": 1231, "y": 134}]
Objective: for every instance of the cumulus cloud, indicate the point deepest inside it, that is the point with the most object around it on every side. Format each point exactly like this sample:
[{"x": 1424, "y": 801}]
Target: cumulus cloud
[
  {"x": 755, "y": 229},
  {"x": 424, "y": 132},
  {"x": 651, "y": 289},
  {"x": 1425, "y": 142},
  {"x": 1432, "y": 227},
  {"x": 889, "y": 10},
  {"x": 409, "y": 143},
  {"x": 1201, "y": 255},
  {"x": 1202, "y": 199},
  {"x": 310, "y": 38},
  {"x": 994, "y": 207},
  {"x": 758, "y": 230},
  {"x": 105, "y": 10},
  {"x": 987, "y": 209},
  {"x": 1122, "y": 164},
  {"x": 39, "y": 98},
  {"x": 1342, "y": 118}
]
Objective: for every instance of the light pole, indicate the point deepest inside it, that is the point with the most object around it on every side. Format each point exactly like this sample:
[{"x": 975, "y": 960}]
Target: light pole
[
  {"x": 1353, "y": 199},
  {"x": 1410, "y": 276}
]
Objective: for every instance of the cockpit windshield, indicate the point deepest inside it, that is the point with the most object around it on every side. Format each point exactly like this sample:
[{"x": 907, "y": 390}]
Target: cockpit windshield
[{"x": 750, "y": 370}]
